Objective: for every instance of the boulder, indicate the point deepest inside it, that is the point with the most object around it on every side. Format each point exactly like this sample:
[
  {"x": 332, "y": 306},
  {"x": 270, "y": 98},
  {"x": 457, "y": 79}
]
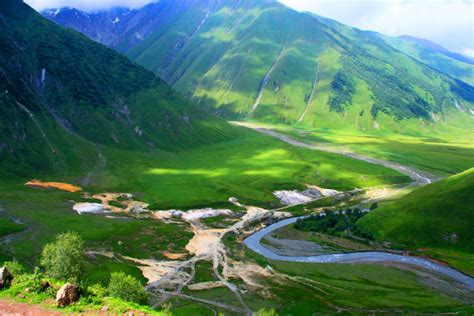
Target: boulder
[
  {"x": 45, "y": 285},
  {"x": 5, "y": 277},
  {"x": 67, "y": 295}
]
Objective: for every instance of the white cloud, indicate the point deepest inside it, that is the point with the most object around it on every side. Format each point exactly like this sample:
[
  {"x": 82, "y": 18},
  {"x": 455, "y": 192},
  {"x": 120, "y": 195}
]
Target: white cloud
[
  {"x": 447, "y": 22},
  {"x": 86, "y": 5}
]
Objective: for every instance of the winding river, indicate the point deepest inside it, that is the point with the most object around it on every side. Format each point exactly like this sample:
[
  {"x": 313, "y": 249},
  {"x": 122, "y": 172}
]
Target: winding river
[{"x": 253, "y": 242}]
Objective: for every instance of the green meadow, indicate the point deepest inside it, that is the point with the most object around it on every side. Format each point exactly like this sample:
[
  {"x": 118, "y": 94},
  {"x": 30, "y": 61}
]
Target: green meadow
[
  {"x": 250, "y": 168},
  {"x": 439, "y": 152},
  {"x": 433, "y": 220}
]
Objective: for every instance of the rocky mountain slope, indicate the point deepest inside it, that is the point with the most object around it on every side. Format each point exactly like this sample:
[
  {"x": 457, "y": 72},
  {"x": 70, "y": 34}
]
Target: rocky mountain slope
[
  {"x": 62, "y": 95},
  {"x": 259, "y": 60}
]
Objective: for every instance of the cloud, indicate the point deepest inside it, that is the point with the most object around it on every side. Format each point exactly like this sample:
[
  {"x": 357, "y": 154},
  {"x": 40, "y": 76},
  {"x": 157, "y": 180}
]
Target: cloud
[
  {"x": 86, "y": 5},
  {"x": 447, "y": 22}
]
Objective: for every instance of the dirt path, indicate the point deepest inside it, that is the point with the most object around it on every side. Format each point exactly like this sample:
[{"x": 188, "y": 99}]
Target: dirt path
[{"x": 8, "y": 308}]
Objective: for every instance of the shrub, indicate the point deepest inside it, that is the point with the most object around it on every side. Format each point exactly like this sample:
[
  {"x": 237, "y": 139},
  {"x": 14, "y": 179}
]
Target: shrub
[
  {"x": 15, "y": 268},
  {"x": 266, "y": 312},
  {"x": 127, "y": 288},
  {"x": 64, "y": 258}
]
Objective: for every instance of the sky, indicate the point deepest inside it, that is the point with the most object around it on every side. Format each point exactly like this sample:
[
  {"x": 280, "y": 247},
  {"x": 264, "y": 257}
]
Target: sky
[{"x": 446, "y": 22}]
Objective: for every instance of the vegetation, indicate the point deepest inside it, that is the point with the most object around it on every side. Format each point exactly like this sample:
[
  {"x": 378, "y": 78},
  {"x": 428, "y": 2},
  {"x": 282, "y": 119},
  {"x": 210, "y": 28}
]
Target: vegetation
[
  {"x": 356, "y": 72},
  {"x": 344, "y": 87},
  {"x": 337, "y": 223},
  {"x": 8, "y": 227},
  {"x": 38, "y": 288},
  {"x": 437, "y": 57},
  {"x": 434, "y": 217},
  {"x": 63, "y": 96},
  {"x": 446, "y": 152},
  {"x": 356, "y": 288},
  {"x": 64, "y": 259},
  {"x": 127, "y": 288}
]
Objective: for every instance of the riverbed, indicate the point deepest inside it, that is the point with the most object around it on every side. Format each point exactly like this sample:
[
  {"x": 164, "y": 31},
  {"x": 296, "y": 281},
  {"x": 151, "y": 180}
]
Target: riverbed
[{"x": 253, "y": 242}]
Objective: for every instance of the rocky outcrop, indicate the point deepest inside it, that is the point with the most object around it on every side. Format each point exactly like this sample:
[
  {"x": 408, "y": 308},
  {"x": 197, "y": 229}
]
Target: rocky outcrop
[
  {"x": 5, "y": 277},
  {"x": 67, "y": 295}
]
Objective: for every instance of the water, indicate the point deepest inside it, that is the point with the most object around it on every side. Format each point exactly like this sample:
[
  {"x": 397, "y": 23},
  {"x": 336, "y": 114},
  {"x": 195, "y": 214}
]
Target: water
[{"x": 253, "y": 242}]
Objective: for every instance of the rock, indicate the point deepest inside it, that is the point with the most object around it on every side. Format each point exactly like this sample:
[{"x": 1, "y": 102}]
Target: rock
[
  {"x": 5, "y": 277},
  {"x": 67, "y": 295},
  {"x": 104, "y": 308},
  {"x": 45, "y": 285}
]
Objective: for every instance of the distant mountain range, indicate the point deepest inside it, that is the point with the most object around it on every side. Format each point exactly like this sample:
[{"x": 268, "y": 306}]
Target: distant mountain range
[
  {"x": 63, "y": 95},
  {"x": 262, "y": 61}
]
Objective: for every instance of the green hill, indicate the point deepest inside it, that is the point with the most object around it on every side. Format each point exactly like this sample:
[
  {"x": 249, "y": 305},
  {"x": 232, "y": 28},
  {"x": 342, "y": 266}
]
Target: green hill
[
  {"x": 438, "y": 216},
  {"x": 76, "y": 111},
  {"x": 262, "y": 61},
  {"x": 435, "y": 56},
  {"x": 62, "y": 95}
]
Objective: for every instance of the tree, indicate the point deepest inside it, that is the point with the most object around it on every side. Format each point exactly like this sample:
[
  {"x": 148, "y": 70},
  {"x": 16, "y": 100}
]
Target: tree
[
  {"x": 64, "y": 258},
  {"x": 127, "y": 288}
]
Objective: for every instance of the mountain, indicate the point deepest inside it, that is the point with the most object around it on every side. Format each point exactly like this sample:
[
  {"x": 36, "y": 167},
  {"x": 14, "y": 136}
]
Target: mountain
[
  {"x": 434, "y": 55},
  {"x": 260, "y": 60},
  {"x": 63, "y": 95},
  {"x": 434, "y": 216}
]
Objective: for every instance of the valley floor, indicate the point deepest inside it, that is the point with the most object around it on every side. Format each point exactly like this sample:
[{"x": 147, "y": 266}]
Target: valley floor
[{"x": 201, "y": 264}]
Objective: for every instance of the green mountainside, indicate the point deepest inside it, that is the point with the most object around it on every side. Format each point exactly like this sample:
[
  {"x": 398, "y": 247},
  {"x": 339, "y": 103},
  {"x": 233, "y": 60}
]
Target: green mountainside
[
  {"x": 62, "y": 94},
  {"x": 262, "y": 61},
  {"x": 435, "y": 56},
  {"x": 436, "y": 216}
]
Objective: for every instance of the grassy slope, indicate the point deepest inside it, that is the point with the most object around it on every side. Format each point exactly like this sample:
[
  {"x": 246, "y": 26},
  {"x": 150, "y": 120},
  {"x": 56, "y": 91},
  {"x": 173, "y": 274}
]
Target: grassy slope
[
  {"x": 196, "y": 160},
  {"x": 359, "y": 286},
  {"x": 437, "y": 60},
  {"x": 438, "y": 217},
  {"x": 354, "y": 288},
  {"x": 62, "y": 94},
  {"x": 446, "y": 152},
  {"x": 250, "y": 167},
  {"x": 221, "y": 59}
]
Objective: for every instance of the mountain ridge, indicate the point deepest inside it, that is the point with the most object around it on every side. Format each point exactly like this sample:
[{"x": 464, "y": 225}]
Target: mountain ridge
[
  {"x": 261, "y": 65},
  {"x": 68, "y": 93}
]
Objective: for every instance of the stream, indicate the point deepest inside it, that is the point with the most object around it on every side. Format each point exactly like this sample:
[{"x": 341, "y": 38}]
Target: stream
[{"x": 253, "y": 242}]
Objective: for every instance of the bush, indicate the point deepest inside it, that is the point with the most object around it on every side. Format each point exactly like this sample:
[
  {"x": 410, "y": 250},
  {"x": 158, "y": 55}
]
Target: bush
[
  {"x": 15, "y": 268},
  {"x": 127, "y": 288},
  {"x": 64, "y": 258},
  {"x": 265, "y": 312}
]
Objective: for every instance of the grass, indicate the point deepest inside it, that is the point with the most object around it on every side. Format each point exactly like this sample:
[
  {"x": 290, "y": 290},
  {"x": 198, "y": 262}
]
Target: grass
[
  {"x": 204, "y": 272},
  {"x": 437, "y": 217},
  {"x": 352, "y": 288},
  {"x": 445, "y": 152},
  {"x": 47, "y": 213},
  {"x": 221, "y": 67},
  {"x": 361, "y": 287},
  {"x": 25, "y": 289},
  {"x": 249, "y": 167},
  {"x": 8, "y": 227}
]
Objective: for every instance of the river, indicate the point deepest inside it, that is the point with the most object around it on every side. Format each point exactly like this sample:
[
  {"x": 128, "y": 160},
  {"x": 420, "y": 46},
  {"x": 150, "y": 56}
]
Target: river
[{"x": 253, "y": 242}]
